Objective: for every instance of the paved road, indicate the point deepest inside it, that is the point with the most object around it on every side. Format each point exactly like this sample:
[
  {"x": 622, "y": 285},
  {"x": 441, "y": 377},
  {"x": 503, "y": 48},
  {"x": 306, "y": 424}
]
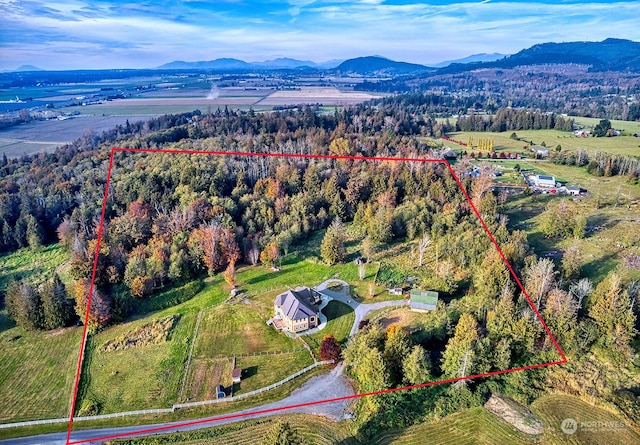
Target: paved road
[{"x": 328, "y": 386}]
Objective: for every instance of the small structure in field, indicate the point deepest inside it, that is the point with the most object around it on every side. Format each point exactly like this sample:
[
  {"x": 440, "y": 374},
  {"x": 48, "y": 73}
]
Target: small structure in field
[
  {"x": 423, "y": 300},
  {"x": 573, "y": 190},
  {"x": 395, "y": 291},
  {"x": 236, "y": 375},
  {"x": 220, "y": 393}
]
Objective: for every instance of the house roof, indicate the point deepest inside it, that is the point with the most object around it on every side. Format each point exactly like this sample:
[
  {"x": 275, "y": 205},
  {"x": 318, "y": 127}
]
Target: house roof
[
  {"x": 292, "y": 303},
  {"x": 545, "y": 178},
  {"x": 424, "y": 299}
]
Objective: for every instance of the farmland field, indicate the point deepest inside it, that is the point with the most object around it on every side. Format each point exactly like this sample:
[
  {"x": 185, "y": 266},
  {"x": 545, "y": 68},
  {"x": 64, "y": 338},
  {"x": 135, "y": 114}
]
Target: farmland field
[
  {"x": 139, "y": 377},
  {"x": 624, "y": 145},
  {"x": 37, "y": 372},
  {"x": 325, "y": 96}
]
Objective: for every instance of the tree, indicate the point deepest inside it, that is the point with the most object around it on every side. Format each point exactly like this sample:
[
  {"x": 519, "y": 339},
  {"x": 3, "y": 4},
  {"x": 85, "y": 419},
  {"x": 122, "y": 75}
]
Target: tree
[
  {"x": 602, "y": 129},
  {"x": 230, "y": 274},
  {"x": 458, "y": 357},
  {"x": 56, "y": 309},
  {"x": 330, "y": 348},
  {"x": 610, "y": 307},
  {"x": 34, "y": 233},
  {"x": 416, "y": 367},
  {"x": 254, "y": 255},
  {"x": 539, "y": 278},
  {"x": 141, "y": 286},
  {"x": 100, "y": 313},
  {"x": 24, "y": 306},
  {"x": 581, "y": 290},
  {"x": 270, "y": 254},
  {"x": 424, "y": 243},
  {"x": 571, "y": 262},
  {"x": 282, "y": 434},
  {"x": 397, "y": 346},
  {"x": 332, "y": 248},
  {"x": 367, "y": 248}
]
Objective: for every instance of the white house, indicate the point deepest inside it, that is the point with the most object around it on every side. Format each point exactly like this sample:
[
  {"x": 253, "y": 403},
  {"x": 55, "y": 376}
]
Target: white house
[{"x": 544, "y": 181}]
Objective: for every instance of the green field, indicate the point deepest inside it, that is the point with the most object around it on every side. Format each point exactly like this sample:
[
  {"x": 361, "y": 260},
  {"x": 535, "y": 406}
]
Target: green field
[
  {"x": 233, "y": 329},
  {"x": 36, "y": 265},
  {"x": 595, "y": 425},
  {"x": 340, "y": 318},
  {"x": 140, "y": 377},
  {"x": 37, "y": 371},
  {"x": 629, "y": 127},
  {"x": 624, "y": 145}
]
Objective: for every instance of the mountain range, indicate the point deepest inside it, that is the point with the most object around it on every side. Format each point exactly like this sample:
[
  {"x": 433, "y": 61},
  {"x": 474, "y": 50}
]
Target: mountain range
[{"x": 608, "y": 55}]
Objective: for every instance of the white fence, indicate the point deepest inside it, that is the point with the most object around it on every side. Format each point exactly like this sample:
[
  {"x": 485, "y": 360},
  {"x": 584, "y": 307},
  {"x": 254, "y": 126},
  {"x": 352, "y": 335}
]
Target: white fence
[{"x": 168, "y": 410}]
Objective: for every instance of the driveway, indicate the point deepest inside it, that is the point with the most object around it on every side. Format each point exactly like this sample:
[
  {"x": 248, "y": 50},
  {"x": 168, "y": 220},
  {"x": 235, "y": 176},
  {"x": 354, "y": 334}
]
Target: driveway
[{"x": 322, "y": 387}]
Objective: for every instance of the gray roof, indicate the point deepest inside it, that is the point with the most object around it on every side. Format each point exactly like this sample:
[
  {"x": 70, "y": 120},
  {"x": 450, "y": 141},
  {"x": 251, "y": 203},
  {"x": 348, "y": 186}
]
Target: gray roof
[
  {"x": 545, "y": 178},
  {"x": 293, "y": 304}
]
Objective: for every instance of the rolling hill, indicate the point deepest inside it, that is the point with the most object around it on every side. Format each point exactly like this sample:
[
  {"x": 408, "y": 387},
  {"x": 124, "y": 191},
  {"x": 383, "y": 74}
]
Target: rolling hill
[{"x": 379, "y": 65}]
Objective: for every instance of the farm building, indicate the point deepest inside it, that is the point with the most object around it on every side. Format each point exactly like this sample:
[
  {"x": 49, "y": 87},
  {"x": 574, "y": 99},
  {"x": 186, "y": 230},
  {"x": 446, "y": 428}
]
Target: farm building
[
  {"x": 220, "y": 394},
  {"x": 297, "y": 310},
  {"x": 540, "y": 152},
  {"x": 423, "y": 300},
  {"x": 573, "y": 190},
  {"x": 544, "y": 181},
  {"x": 395, "y": 291},
  {"x": 236, "y": 375}
]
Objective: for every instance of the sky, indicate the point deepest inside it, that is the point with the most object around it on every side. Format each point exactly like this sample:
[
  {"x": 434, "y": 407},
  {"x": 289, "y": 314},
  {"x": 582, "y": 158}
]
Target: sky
[{"x": 79, "y": 34}]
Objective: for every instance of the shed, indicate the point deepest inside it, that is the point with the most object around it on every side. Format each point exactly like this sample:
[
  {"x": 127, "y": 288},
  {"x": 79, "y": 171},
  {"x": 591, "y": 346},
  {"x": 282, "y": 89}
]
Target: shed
[
  {"x": 220, "y": 394},
  {"x": 236, "y": 375},
  {"x": 395, "y": 291},
  {"x": 423, "y": 300},
  {"x": 573, "y": 190}
]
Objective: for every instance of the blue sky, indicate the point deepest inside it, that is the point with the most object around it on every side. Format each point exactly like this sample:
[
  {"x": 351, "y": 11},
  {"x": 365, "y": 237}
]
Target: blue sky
[{"x": 75, "y": 34}]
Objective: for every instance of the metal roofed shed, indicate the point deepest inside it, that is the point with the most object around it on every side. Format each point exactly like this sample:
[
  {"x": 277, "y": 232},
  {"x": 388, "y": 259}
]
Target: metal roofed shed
[{"x": 423, "y": 300}]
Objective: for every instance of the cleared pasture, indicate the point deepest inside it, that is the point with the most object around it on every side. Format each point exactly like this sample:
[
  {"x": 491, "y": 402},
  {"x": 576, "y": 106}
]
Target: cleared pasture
[
  {"x": 37, "y": 371},
  {"x": 623, "y": 145},
  {"x": 325, "y": 96}
]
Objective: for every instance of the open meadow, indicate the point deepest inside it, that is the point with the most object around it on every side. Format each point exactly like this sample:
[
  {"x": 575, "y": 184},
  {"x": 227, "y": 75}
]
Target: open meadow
[{"x": 502, "y": 142}]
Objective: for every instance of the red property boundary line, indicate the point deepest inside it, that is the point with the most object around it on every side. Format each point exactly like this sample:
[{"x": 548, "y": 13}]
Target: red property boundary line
[{"x": 273, "y": 410}]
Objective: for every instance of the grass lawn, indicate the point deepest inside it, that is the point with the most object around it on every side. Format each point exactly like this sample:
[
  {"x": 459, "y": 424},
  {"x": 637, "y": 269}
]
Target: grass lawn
[
  {"x": 598, "y": 425},
  {"x": 340, "y": 318},
  {"x": 204, "y": 375},
  {"x": 262, "y": 370},
  {"x": 37, "y": 265},
  {"x": 37, "y": 371},
  {"x": 624, "y": 145},
  {"x": 140, "y": 377},
  {"x": 475, "y": 426},
  {"x": 602, "y": 249},
  {"x": 590, "y": 122},
  {"x": 315, "y": 430},
  {"x": 233, "y": 329}
]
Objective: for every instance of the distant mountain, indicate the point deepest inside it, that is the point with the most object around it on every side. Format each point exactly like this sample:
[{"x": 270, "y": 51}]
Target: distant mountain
[
  {"x": 217, "y": 64},
  {"x": 482, "y": 57},
  {"x": 379, "y": 65},
  {"x": 608, "y": 55},
  {"x": 28, "y": 68},
  {"x": 284, "y": 63},
  {"x": 236, "y": 64}
]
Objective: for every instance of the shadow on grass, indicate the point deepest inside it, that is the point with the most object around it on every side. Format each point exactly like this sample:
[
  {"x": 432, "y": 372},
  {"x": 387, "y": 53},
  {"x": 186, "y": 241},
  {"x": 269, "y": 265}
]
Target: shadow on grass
[
  {"x": 5, "y": 322},
  {"x": 248, "y": 372},
  {"x": 270, "y": 275}
]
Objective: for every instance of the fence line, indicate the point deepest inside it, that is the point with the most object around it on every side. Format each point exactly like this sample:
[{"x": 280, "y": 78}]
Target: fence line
[
  {"x": 168, "y": 410},
  {"x": 193, "y": 342},
  {"x": 254, "y": 354}
]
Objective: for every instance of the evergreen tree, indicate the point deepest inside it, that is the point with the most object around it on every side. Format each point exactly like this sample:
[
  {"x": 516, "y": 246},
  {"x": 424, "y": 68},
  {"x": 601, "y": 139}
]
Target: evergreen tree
[
  {"x": 57, "y": 310},
  {"x": 332, "y": 248},
  {"x": 34, "y": 233},
  {"x": 24, "y": 306},
  {"x": 416, "y": 366}
]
